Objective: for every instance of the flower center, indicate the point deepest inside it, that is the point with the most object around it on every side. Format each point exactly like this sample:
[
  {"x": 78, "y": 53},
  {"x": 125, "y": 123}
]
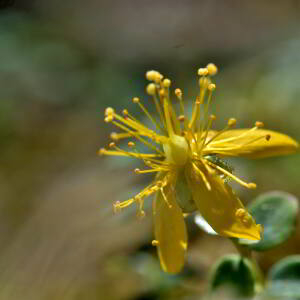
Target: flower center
[{"x": 176, "y": 150}]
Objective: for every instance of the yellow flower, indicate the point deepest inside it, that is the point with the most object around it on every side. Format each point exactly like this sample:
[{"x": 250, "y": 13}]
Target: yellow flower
[{"x": 187, "y": 160}]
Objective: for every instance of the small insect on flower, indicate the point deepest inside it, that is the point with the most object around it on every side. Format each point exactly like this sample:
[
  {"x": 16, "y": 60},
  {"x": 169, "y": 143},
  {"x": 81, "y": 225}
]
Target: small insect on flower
[{"x": 187, "y": 158}]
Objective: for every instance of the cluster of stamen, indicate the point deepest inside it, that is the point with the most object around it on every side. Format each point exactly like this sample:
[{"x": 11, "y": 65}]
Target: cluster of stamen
[{"x": 195, "y": 132}]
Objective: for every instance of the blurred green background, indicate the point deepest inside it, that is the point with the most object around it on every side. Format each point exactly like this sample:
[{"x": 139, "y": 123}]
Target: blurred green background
[{"x": 61, "y": 64}]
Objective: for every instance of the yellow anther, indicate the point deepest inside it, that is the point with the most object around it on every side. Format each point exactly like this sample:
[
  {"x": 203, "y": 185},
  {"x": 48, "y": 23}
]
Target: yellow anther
[
  {"x": 268, "y": 137},
  {"x": 125, "y": 112},
  {"x": 112, "y": 145},
  {"x": 211, "y": 87},
  {"x": 135, "y": 100},
  {"x": 167, "y": 83},
  {"x": 137, "y": 171},
  {"x": 101, "y": 151},
  {"x": 231, "y": 122},
  {"x": 212, "y": 69},
  {"x": 178, "y": 93},
  {"x": 181, "y": 118},
  {"x": 202, "y": 71},
  {"x": 117, "y": 207},
  {"x": 251, "y": 185},
  {"x": 161, "y": 93},
  {"x": 109, "y": 111},
  {"x": 131, "y": 144},
  {"x": 108, "y": 118},
  {"x": 240, "y": 213},
  {"x": 246, "y": 220},
  {"x": 212, "y": 117},
  {"x": 151, "y": 89},
  {"x": 140, "y": 214},
  {"x": 151, "y": 75},
  {"x": 155, "y": 243},
  {"x": 259, "y": 124},
  {"x": 114, "y": 136},
  {"x": 158, "y": 77},
  {"x": 198, "y": 100}
]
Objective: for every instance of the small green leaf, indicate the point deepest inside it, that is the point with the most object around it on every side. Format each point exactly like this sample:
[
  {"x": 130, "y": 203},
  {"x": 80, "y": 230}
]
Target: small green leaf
[
  {"x": 284, "y": 279},
  {"x": 235, "y": 274},
  {"x": 277, "y": 213}
]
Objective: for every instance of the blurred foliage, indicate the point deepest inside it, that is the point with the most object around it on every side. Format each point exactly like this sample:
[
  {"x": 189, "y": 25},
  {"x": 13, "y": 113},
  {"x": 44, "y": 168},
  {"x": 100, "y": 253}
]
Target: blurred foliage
[
  {"x": 277, "y": 212},
  {"x": 61, "y": 64}
]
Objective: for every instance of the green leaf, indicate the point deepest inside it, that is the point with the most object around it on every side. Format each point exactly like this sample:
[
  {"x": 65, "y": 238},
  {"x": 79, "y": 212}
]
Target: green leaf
[
  {"x": 277, "y": 213},
  {"x": 284, "y": 279},
  {"x": 234, "y": 274}
]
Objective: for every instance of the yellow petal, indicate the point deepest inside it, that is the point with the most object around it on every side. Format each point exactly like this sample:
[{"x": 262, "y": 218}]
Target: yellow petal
[
  {"x": 169, "y": 230},
  {"x": 219, "y": 206},
  {"x": 252, "y": 144}
]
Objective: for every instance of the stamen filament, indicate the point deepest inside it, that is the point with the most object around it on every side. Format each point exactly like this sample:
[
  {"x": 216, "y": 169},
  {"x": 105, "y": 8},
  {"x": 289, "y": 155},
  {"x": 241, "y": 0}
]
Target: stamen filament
[
  {"x": 146, "y": 112},
  {"x": 227, "y": 173},
  {"x": 137, "y": 136},
  {"x": 207, "y": 184}
]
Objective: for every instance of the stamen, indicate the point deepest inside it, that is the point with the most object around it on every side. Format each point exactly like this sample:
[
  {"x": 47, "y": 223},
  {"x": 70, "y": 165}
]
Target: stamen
[
  {"x": 211, "y": 119},
  {"x": 250, "y": 185},
  {"x": 165, "y": 198},
  {"x": 207, "y": 184},
  {"x": 231, "y": 123},
  {"x": 212, "y": 69},
  {"x": 181, "y": 118},
  {"x": 166, "y": 83},
  {"x": 109, "y": 111},
  {"x": 140, "y": 211},
  {"x": 195, "y": 113},
  {"x": 155, "y": 243},
  {"x": 151, "y": 89},
  {"x": 118, "y": 136},
  {"x": 202, "y": 71},
  {"x": 103, "y": 151},
  {"x": 146, "y": 112},
  {"x": 138, "y": 171},
  {"x": 134, "y": 134}
]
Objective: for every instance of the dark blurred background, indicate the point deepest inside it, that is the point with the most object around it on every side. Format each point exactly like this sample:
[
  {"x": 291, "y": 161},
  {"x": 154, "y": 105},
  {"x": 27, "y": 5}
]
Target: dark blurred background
[{"x": 61, "y": 64}]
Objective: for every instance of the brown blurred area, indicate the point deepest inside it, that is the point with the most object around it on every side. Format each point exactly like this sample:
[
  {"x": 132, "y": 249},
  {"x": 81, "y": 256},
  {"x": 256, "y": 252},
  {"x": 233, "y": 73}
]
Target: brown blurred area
[{"x": 61, "y": 64}]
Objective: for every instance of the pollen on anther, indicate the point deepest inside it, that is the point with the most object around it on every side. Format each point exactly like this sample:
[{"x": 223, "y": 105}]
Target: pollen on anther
[
  {"x": 141, "y": 214},
  {"x": 162, "y": 93},
  {"x": 150, "y": 75},
  {"x": 108, "y": 119},
  {"x": 178, "y": 93},
  {"x": 125, "y": 112},
  {"x": 137, "y": 170},
  {"x": 117, "y": 207},
  {"x": 114, "y": 136},
  {"x": 111, "y": 145},
  {"x": 131, "y": 144},
  {"x": 212, "y": 69},
  {"x": 259, "y": 124},
  {"x": 231, "y": 122},
  {"x": 109, "y": 111},
  {"x": 102, "y": 151},
  {"x": 155, "y": 243},
  {"x": 240, "y": 213},
  {"x": 251, "y": 185},
  {"x": 212, "y": 117},
  {"x": 211, "y": 87},
  {"x": 151, "y": 89},
  {"x": 135, "y": 100},
  {"x": 202, "y": 71},
  {"x": 167, "y": 83},
  {"x": 181, "y": 118}
]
